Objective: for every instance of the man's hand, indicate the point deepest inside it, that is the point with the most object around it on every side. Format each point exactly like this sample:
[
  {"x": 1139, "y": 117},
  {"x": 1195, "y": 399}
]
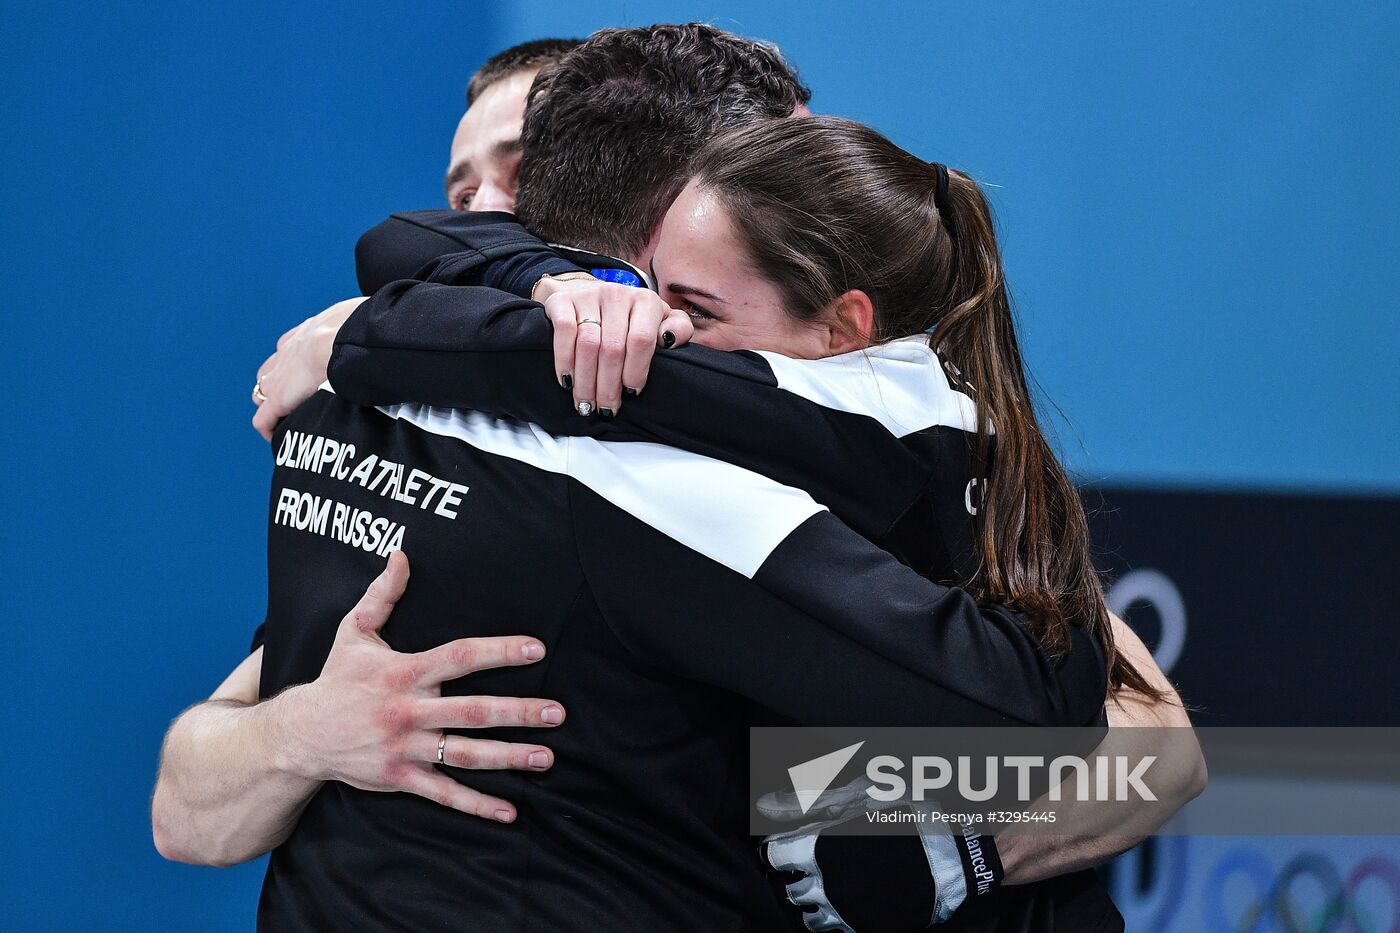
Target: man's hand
[
  {"x": 290, "y": 375},
  {"x": 604, "y": 337},
  {"x": 374, "y": 717},
  {"x": 236, "y": 773}
]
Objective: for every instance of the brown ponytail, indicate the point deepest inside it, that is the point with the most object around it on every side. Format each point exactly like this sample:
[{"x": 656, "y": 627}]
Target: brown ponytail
[
  {"x": 826, "y": 206},
  {"x": 1033, "y": 534}
]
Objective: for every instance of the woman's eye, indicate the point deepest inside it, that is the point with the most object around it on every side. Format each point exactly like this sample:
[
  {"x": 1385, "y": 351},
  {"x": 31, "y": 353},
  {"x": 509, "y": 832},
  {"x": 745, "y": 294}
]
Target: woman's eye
[{"x": 697, "y": 312}]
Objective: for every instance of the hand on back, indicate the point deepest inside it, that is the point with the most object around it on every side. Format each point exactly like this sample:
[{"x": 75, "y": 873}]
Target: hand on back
[{"x": 376, "y": 718}]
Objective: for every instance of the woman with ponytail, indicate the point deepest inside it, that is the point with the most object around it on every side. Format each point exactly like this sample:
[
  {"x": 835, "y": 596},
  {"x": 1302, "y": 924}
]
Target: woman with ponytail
[{"x": 860, "y": 243}]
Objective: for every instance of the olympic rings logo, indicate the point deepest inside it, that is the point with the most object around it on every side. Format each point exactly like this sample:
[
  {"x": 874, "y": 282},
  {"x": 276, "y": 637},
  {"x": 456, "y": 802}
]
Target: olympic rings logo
[
  {"x": 1157, "y": 590},
  {"x": 1275, "y": 897}
]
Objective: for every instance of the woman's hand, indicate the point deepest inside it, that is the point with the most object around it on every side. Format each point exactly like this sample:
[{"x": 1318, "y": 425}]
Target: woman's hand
[
  {"x": 292, "y": 374},
  {"x": 604, "y": 338}
]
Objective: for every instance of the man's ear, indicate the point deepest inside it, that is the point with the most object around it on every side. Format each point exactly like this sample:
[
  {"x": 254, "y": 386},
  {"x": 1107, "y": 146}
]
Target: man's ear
[
  {"x": 643, "y": 259},
  {"x": 852, "y": 318}
]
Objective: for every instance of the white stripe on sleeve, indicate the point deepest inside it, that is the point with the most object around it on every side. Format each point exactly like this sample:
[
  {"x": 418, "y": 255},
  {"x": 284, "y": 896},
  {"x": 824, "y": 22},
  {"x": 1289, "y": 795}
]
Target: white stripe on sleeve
[
  {"x": 729, "y": 514},
  {"x": 901, "y": 384}
]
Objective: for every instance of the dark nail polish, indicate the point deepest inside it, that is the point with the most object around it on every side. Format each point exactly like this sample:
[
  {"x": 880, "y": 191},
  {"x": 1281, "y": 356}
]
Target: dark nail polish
[
  {"x": 606, "y": 414},
  {"x": 568, "y": 381},
  {"x": 668, "y": 339},
  {"x": 628, "y": 392}
]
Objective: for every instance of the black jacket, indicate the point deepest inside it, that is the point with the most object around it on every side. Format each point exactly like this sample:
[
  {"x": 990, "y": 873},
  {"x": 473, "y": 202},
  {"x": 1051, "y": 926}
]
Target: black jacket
[{"x": 680, "y": 594}]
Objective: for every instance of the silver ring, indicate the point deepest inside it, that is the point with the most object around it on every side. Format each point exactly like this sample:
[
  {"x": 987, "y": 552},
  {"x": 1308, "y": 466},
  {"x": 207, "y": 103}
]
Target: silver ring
[
  {"x": 259, "y": 396},
  {"x": 591, "y": 320},
  {"x": 442, "y": 744}
]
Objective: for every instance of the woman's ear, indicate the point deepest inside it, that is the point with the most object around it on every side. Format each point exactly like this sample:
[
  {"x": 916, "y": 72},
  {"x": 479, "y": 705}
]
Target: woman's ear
[{"x": 852, "y": 318}]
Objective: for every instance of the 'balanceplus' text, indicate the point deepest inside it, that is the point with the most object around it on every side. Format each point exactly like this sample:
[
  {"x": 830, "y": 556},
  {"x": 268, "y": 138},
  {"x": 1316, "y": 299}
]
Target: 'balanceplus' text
[
  {"x": 411, "y": 486},
  {"x": 349, "y": 525}
]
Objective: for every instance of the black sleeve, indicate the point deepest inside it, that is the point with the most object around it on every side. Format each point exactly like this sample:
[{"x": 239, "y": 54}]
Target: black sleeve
[
  {"x": 475, "y": 347},
  {"x": 419, "y": 340},
  {"x": 459, "y": 248},
  {"x": 831, "y": 630}
]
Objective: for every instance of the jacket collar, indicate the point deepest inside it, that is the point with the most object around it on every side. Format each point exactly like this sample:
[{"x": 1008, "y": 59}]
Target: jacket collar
[{"x": 590, "y": 260}]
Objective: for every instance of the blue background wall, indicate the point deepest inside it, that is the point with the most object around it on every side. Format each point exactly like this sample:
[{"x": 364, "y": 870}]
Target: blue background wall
[
  {"x": 182, "y": 182},
  {"x": 1196, "y": 205}
]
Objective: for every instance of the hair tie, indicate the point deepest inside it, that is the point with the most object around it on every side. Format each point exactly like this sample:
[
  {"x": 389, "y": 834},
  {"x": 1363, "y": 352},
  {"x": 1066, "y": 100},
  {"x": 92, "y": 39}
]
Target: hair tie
[{"x": 940, "y": 191}]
